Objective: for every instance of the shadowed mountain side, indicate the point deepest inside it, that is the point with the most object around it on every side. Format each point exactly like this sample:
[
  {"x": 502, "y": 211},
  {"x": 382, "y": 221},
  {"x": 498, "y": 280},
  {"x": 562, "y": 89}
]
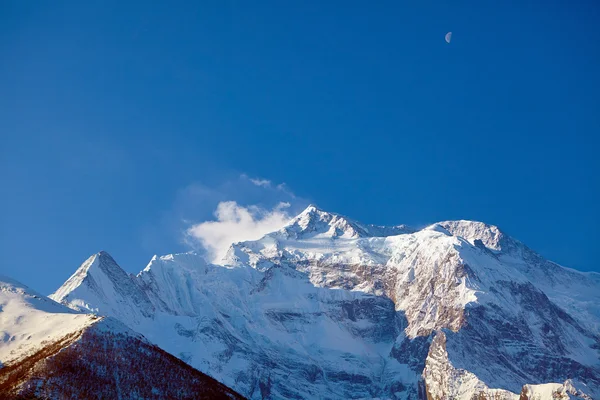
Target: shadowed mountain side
[{"x": 106, "y": 365}]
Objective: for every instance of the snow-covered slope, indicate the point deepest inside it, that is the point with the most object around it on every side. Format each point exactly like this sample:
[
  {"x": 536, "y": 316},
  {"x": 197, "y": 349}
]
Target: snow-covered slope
[
  {"x": 28, "y": 320},
  {"x": 328, "y": 307},
  {"x": 50, "y": 351}
]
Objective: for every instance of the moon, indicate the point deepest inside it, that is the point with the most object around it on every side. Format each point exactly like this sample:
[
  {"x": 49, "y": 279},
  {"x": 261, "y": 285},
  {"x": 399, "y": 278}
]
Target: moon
[{"x": 448, "y": 37}]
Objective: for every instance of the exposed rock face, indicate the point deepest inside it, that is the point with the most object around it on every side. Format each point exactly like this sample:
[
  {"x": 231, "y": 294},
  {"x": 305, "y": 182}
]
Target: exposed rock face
[
  {"x": 330, "y": 308},
  {"x": 443, "y": 381}
]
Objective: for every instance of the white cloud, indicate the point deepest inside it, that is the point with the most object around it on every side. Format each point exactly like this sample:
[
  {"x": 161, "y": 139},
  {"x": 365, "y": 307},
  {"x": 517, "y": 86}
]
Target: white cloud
[
  {"x": 261, "y": 182},
  {"x": 208, "y": 217},
  {"x": 235, "y": 223}
]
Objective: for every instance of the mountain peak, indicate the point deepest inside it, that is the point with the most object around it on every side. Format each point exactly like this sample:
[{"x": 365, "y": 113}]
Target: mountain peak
[
  {"x": 311, "y": 208},
  {"x": 100, "y": 277},
  {"x": 314, "y": 222},
  {"x": 490, "y": 235},
  {"x": 94, "y": 265},
  {"x": 104, "y": 254},
  {"x": 99, "y": 263}
]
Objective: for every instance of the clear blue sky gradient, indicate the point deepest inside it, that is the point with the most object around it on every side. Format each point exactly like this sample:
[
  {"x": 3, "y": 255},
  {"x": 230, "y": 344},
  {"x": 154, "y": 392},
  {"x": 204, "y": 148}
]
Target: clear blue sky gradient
[{"x": 108, "y": 110}]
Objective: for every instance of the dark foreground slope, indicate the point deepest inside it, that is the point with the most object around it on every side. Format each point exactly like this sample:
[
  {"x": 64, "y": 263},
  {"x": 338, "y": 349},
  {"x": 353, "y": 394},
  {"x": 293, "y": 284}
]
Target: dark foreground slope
[
  {"x": 48, "y": 351},
  {"x": 99, "y": 364}
]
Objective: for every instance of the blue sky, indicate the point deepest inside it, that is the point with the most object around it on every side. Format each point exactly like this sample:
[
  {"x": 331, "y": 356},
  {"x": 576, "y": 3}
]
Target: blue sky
[{"x": 122, "y": 125}]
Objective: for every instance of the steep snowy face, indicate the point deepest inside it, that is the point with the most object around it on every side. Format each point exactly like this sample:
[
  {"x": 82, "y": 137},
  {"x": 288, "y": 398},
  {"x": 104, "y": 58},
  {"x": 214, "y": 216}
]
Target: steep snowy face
[
  {"x": 330, "y": 307},
  {"x": 171, "y": 283},
  {"x": 28, "y": 319},
  {"x": 100, "y": 281}
]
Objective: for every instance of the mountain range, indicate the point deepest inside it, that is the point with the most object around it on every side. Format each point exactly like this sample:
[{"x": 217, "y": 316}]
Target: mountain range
[{"x": 323, "y": 308}]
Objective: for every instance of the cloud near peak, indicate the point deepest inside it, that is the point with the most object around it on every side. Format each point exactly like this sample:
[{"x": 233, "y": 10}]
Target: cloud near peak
[{"x": 235, "y": 223}]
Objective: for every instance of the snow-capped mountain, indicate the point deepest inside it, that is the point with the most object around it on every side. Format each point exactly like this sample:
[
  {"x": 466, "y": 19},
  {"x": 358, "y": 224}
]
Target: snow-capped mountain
[
  {"x": 49, "y": 351},
  {"x": 327, "y": 307}
]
